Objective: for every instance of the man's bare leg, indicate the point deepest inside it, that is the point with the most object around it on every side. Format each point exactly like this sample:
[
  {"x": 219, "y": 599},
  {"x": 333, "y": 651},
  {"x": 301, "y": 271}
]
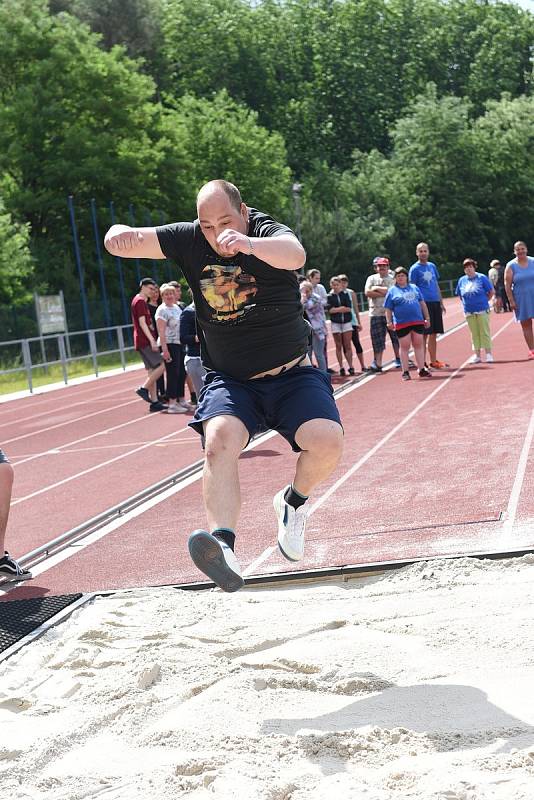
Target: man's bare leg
[
  {"x": 321, "y": 443},
  {"x": 212, "y": 551},
  {"x": 226, "y": 437}
]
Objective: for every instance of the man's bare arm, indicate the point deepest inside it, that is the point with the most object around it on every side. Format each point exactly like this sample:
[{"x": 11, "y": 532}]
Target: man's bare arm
[
  {"x": 281, "y": 252},
  {"x": 127, "y": 242}
]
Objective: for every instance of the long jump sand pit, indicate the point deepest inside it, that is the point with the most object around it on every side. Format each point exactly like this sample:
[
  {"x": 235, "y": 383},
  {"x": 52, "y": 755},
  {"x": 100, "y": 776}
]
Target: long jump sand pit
[{"x": 413, "y": 684}]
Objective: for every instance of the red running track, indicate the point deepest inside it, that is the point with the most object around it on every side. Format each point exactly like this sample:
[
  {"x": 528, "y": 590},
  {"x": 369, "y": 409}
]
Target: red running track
[{"x": 434, "y": 467}]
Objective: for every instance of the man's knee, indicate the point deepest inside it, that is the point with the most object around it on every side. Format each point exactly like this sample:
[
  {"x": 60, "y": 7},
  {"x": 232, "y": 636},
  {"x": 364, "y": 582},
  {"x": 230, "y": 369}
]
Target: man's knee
[
  {"x": 226, "y": 436},
  {"x": 322, "y": 437}
]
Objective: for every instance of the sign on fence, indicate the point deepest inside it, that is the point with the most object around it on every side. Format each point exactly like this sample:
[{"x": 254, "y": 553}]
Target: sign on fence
[{"x": 50, "y": 311}]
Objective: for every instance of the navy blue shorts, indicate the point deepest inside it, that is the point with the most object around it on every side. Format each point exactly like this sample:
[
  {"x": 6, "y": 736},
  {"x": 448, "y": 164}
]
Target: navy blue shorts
[{"x": 277, "y": 402}]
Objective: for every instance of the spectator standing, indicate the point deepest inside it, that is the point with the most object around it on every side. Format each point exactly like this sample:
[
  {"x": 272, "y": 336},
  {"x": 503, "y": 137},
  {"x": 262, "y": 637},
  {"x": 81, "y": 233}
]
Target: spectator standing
[
  {"x": 153, "y": 304},
  {"x": 519, "y": 282},
  {"x": 407, "y": 313},
  {"x": 356, "y": 323},
  {"x": 475, "y": 290},
  {"x": 376, "y": 288},
  {"x": 424, "y": 274},
  {"x": 168, "y": 324},
  {"x": 9, "y": 567},
  {"x": 189, "y": 339},
  {"x": 496, "y": 277},
  {"x": 314, "y": 277},
  {"x": 314, "y": 309},
  {"x": 146, "y": 345},
  {"x": 340, "y": 308}
]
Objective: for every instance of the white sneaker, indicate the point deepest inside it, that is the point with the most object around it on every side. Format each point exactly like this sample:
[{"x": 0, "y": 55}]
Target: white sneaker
[
  {"x": 176, "y": 409},
  {"x": 489, "y": 358},
  {"x": 215, "y": 559},
  {"x": 475, "y": 359},
  {"x": 291, "y": 527}
]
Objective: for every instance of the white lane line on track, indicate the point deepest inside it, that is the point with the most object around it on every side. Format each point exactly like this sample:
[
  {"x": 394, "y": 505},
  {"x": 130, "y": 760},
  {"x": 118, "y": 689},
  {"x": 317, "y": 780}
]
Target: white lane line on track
[
  {"x": 70, "y": 478},
  {"x": 355, "y": 467},
  {"x": 513, "y": 502},
  {"x": 50, "y": 411},
  {"x": 69, "y": 422},
  {"x": 103, "y": 432}
]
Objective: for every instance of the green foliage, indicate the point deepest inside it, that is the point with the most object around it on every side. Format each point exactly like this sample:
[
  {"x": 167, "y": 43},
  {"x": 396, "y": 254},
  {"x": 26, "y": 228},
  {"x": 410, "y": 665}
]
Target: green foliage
[
  {"x": 16, "y": 263},
  {"x": 221, "y": 138}
]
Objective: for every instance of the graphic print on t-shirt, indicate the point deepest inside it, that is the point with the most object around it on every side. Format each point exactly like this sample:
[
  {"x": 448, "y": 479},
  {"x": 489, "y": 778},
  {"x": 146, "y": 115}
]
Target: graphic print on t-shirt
[{"x": 227, "y": 290}]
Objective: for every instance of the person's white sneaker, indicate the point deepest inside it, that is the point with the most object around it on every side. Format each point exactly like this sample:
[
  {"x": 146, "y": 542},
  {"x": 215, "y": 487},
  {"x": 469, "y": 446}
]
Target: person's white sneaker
[
  {"x": 291, "y": 527},
  {"x": 215, "y": 559},
  {"x": 475, "y": 359},
  {"x": 176, "y": 409},
  {"x": 489, "y": 358}
]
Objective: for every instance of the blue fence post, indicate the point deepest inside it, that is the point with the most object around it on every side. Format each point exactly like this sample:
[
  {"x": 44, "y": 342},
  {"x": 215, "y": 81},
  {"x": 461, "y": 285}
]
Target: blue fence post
[
  {"x": 100, "y": 260},
  {"x": 118, "y": 261},
  {"x": 137, "y": 262},
  {"x": 77, "y": 256}
]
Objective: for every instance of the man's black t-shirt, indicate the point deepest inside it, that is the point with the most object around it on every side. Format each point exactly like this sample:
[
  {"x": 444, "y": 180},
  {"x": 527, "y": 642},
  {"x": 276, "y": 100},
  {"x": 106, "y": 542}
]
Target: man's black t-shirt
[{"x": 249, "y": 314}]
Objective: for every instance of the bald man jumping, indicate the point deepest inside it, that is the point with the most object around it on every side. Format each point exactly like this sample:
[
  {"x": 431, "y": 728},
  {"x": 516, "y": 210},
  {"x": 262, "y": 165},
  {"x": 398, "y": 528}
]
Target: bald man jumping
[{"x": 240, "y": 265}]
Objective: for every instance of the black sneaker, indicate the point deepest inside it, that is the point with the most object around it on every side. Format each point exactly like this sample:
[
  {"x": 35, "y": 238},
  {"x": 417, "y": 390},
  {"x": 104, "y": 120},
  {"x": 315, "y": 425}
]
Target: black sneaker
[
  {"x": 331, "y": 371},
  {"x": 9, "y": 568},
  {"x": 342, "y": 372},
  {"x": 216, "y": 559},
  {"x": 406, "y": 376},
  {"x": 143, "y": 394},
  {"x": 425, "y": 373},
  {"x": 157, "y": 406},
  {"x": 374, "y": 368},
  {"x": 351, "y": 371}
]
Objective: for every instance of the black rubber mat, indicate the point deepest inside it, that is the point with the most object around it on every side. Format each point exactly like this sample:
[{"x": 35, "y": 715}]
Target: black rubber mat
[{"x": 20, "y": 617}]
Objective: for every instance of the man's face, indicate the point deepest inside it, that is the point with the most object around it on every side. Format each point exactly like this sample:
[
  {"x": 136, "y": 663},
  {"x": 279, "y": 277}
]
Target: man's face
[
  {"x": 422, "y": 252},
  {"x": 315, "y": 279},
  {"x": 382, "y": 270},
  {"x": 216, "y": 214},
  {"x": 470, "y": 270},
  {"x": 147, "y": 290}
]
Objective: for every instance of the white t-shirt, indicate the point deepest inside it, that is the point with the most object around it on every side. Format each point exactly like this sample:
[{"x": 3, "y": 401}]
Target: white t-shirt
[
  {"x": 376, "y": 304},
  {"x": 171, "y": 315},
  {"x": 321, "y": 291}
]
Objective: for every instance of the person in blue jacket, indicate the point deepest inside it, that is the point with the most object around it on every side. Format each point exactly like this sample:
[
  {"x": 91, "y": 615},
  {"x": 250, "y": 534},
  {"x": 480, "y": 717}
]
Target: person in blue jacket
[
  {"x": 475, "y": 291},
  {"x": 407, "y": 315}
]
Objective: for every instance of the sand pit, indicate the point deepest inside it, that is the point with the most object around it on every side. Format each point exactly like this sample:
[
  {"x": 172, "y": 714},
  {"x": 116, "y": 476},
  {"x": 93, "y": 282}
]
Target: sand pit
[{"x": 416, "y": 684}]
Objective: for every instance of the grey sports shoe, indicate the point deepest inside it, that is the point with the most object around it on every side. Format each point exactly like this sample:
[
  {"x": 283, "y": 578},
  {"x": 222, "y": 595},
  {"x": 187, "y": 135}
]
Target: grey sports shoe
[
  {"x": 291, "y": 527},
  {"x": 11, "y": 569},
  {"x": 215, "y": 559}
]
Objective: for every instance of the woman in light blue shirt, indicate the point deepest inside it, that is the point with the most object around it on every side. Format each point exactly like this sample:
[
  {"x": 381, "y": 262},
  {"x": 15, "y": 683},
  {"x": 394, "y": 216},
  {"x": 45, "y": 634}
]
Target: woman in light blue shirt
[{"x": 519, "y": 283}]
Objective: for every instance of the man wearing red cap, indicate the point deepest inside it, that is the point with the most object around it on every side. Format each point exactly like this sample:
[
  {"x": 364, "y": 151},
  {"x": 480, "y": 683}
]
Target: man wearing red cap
[{"x": 376, "y": 287}]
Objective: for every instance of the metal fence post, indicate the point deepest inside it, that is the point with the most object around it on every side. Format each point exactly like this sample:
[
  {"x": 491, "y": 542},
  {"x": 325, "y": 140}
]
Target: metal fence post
[
  {"x": 120, "y": 341},
  {"x": 63, "y": 357},
  {"x": 27, "y": 359},
  {"x": 94, "y": 351}
]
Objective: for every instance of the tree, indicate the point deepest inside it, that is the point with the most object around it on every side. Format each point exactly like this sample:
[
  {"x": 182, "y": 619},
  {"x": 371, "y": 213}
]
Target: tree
[
  {"x": 73, "y": 120},
  {"x": 16, "y": 263},
  {"x": 222, "y": 139}
]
